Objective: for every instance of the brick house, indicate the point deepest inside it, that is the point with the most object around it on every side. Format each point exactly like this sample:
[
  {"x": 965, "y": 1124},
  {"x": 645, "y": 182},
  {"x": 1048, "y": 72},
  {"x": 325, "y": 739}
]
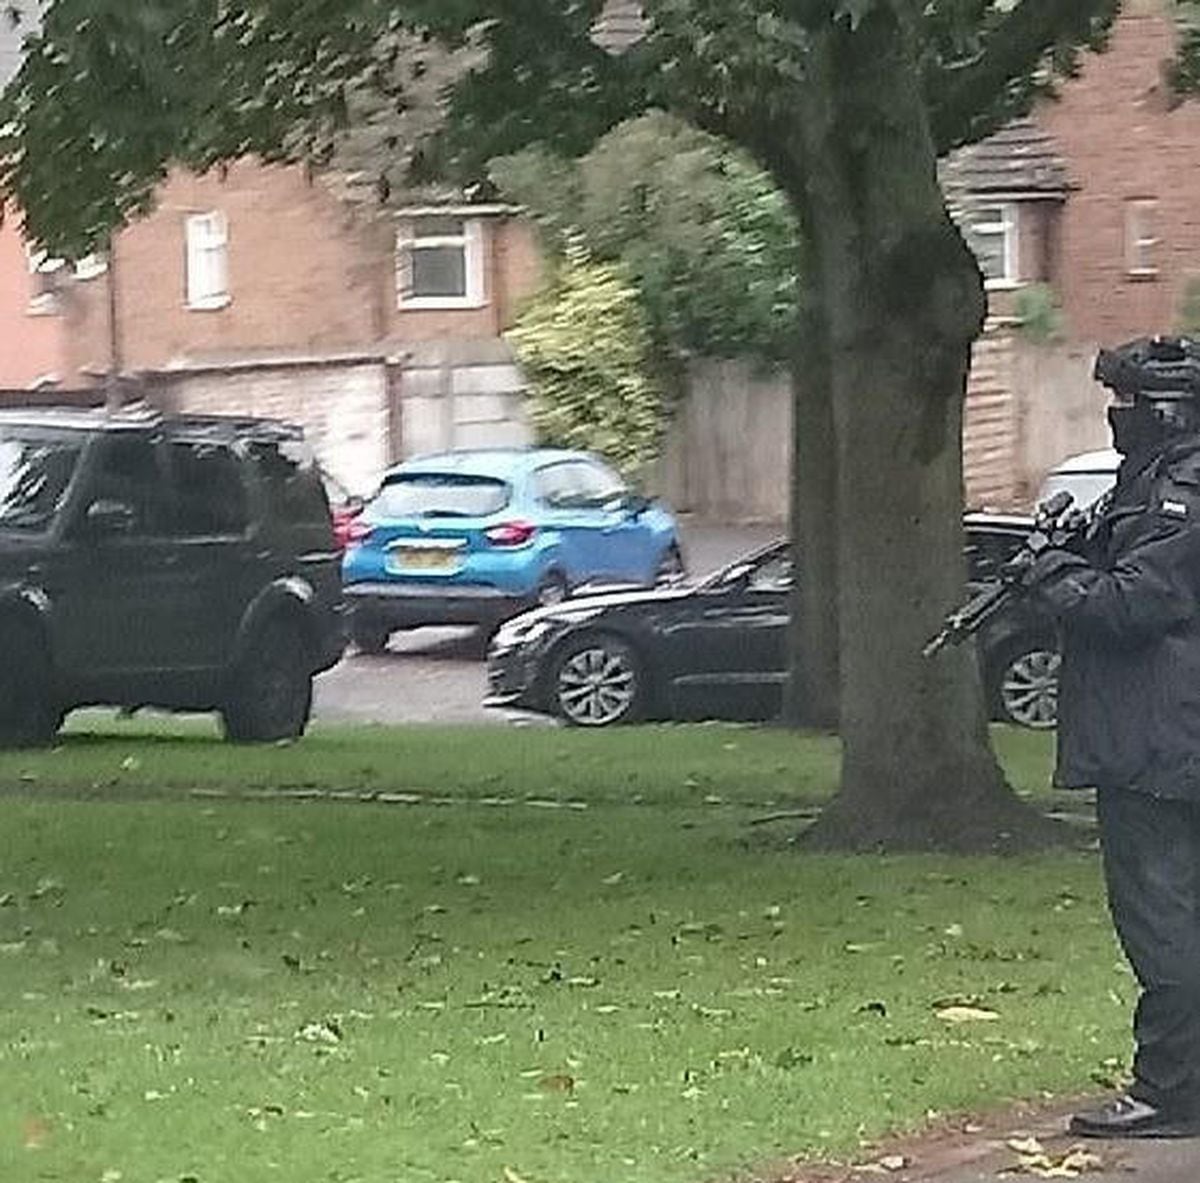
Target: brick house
[
  {"x": 271, "y": 290},
  {"x": 1094, "y": 196},
  {"x": 266, "y": 290}
]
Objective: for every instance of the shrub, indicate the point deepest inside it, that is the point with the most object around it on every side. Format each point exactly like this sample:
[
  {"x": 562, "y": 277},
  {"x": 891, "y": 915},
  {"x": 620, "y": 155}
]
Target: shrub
[
  {"x": 1189, "y": 308},
  {"x": 584, "y": 346},
  {"x": 1039, "y": 313}
]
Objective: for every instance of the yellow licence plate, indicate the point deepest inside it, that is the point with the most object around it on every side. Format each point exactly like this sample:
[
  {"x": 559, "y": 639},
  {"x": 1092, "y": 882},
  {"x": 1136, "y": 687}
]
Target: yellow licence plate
[{"x": 420, "y": 558}]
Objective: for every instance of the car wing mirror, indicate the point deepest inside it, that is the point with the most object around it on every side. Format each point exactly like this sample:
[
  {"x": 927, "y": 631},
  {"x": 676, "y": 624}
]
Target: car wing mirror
[{"x": 109, "y": 518}]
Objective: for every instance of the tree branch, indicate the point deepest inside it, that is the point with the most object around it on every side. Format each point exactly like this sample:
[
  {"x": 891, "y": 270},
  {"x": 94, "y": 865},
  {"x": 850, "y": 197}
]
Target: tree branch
[{"x": 1017, "y": 60}]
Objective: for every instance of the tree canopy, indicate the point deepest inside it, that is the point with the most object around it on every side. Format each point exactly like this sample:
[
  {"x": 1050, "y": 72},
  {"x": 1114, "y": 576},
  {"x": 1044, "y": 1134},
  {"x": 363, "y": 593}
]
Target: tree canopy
[
  {"x": 707, "y": 238},
  {"x": 111, "y": 93}
]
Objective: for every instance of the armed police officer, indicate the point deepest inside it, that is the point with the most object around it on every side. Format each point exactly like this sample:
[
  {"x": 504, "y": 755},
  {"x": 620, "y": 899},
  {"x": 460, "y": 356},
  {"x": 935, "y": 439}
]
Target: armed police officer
[{"x": 1127, "y": 601}]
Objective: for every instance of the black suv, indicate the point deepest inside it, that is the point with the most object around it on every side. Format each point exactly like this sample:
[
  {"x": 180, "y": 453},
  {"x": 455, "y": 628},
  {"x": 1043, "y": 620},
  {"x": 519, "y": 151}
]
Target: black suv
[{"x": 182, "y": 563}]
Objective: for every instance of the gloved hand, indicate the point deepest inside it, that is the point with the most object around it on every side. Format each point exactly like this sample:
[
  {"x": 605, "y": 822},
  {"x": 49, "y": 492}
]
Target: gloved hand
[
  {"x": 1053, "y": 581},
  {"x": 1050, "y": 566}
]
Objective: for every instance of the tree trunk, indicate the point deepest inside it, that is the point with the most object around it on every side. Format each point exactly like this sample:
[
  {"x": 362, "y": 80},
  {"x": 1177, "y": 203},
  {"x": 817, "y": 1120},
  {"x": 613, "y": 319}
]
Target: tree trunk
[
  {"x": 904, "y": 301},
  {"x": 812, "y": 690}
]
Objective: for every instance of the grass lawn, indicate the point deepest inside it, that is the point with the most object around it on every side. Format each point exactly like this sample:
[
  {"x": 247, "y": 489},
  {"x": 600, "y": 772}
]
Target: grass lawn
[{"x": 635, "y": 985}]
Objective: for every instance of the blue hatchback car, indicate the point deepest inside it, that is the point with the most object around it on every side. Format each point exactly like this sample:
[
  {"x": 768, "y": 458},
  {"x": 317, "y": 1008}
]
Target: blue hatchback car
[{"x": 475, "y": 537}]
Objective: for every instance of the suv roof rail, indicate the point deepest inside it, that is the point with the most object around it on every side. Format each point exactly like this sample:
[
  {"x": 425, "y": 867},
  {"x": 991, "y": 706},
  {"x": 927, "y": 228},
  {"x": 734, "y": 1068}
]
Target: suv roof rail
[{"x": 236, "y": 423}]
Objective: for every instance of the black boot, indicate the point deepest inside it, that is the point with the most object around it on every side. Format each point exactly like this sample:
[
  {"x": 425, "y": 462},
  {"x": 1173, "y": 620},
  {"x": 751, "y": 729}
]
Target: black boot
[{"x": 1127, "y": 1117}]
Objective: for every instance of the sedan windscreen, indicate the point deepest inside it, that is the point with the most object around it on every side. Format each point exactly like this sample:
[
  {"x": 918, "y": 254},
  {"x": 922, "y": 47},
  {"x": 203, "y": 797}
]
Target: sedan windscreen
[
  {"x": 35, "y": 470},
  {"x": 431, "y": 495}
]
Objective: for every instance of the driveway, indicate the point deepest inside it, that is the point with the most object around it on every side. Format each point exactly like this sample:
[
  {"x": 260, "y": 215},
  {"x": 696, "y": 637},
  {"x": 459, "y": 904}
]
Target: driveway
[{"x": 436, "y": 675}]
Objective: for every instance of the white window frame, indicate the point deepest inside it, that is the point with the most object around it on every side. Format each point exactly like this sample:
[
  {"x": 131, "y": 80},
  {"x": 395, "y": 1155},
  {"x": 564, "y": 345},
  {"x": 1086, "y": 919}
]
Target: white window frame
[
  {"x": 1141, "y": 240},
  {"x": 43, "y": 302},
  {"x": 206, "y": 262},
  {"x": 91, "y": 266},
  {"x": 1008, "y": 226},
  {"x": 471, "y": 240}
]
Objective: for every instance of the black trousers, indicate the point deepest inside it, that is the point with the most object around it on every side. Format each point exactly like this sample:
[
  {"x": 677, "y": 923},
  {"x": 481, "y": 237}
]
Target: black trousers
[{"x": 1151, "y": 852}]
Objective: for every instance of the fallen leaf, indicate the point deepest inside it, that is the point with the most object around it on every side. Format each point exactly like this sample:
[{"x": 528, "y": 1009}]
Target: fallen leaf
[
  {"x": 34, "y": 1132},
  {"x": 966, "y": 1014},
  {"x": 558, "y": 1083},
  {"x": 1032, "y": 1159},
  {"x": 1025, "y": 1145},
  {"x": 325, "y": 1032}
]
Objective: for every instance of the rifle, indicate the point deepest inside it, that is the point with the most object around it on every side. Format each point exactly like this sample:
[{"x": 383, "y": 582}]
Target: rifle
[{"x": 1056, "y": 524}]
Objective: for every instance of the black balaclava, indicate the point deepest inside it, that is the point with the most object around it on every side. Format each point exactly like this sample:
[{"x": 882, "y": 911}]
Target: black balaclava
[{"x": 1138, "y": 431}]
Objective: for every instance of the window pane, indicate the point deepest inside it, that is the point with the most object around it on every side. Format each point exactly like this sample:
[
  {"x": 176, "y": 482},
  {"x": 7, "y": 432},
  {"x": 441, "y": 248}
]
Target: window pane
[
  {"x": 292, "y": 483},
  {"x": 207, "y": 239},
  {"x": 597, "y": 486},
  {"x": 35, "y": 470},
  {"x": 554, "y": 484},
  {"x": 439, "y": 271},
  {"x": 129, "y": 473},
  {"x": 1141, "y": 240},
  {"x": 989, "y": 231},
  {"x": 210, "y": 497},
  {"x": 439, "y": 495},
  {"x": 989, "y": 250}
]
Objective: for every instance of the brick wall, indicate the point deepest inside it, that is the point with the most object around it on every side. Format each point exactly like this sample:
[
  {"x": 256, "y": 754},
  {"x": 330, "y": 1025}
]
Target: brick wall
[
  {"x": 343, "y": 407},
  {"x": 990, "y": 430},
  {"x": 32, "y": 347},
  {"x": 1121, "y": 140},
  {"x": 308, "y": 272},
  {"x": 301, "y": 274}
]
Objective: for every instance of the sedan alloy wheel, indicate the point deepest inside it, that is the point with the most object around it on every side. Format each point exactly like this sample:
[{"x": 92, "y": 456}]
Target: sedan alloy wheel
[
  {"x": 597, "y": 683},
  {"x": 1027, "y": 690}
]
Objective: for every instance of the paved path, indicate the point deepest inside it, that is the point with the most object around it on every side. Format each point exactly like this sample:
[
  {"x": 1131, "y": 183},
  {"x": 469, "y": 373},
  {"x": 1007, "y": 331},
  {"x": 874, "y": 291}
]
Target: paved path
[
  {"x": 987, "y": 1156},
  {"x": 436, "y": 675}
]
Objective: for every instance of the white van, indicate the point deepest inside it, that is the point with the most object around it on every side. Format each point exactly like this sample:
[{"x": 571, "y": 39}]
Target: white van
[{"x": 1086, "y": 477}]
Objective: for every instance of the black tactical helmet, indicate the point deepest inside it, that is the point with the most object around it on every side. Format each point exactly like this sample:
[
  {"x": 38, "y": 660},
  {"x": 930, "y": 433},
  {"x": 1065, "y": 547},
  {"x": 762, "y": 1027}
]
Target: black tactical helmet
[{"x": 1158, "y": 369}]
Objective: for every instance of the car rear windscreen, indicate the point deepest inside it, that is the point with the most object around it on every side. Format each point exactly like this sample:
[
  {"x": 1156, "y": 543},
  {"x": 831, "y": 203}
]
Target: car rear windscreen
[{"x": 434, "y": 495}]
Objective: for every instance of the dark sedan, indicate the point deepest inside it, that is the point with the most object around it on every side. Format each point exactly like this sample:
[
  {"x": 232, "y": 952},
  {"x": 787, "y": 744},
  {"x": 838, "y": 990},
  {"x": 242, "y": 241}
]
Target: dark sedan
[{"x": 718, "y": 649}]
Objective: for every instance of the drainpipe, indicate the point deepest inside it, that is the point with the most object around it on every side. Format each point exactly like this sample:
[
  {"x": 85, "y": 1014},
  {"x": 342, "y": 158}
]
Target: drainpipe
[{"x": 112, "y": 383}]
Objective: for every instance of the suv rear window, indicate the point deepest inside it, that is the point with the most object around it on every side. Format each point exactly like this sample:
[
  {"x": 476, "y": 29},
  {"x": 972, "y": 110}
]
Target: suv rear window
[
  {"x": 435, "y": 495},
  {"x": 36, "y": 467},
  {"x": 293, "y": 483},
  {"x": 211, "y": 499}
]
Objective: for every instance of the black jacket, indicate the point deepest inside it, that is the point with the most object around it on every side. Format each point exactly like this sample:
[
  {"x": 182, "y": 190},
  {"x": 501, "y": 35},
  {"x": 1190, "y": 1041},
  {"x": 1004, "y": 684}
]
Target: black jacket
[{"x": 1128, "y": 606}]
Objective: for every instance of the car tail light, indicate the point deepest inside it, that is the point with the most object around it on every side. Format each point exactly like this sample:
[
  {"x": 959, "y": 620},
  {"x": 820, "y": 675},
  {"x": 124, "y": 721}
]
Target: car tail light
[
  {"x": 352, "y": 531},
  {"x": 511, "y": 534}
]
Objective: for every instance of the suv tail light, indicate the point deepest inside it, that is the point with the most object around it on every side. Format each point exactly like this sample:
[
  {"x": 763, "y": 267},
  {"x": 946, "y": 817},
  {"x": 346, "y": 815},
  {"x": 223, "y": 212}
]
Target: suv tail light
[
  {"x": 511, "y": 534},
  {"x": 353, "y": 532}
]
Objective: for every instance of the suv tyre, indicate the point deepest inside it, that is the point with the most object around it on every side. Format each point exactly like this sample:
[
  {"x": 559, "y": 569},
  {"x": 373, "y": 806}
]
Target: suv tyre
[
  {"x": 271, "y": 696},
  {"x": 28, "y": 715},
  {"x": 369, "y": 635}
]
